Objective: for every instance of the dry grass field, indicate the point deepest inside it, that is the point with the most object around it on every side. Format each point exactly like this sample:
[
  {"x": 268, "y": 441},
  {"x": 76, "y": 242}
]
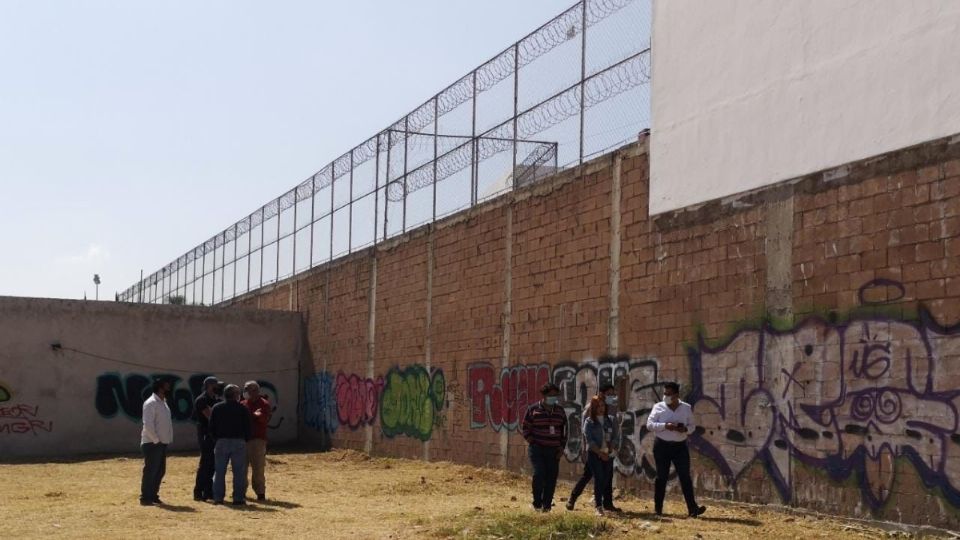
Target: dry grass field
[{"x": 344, "y": 494}]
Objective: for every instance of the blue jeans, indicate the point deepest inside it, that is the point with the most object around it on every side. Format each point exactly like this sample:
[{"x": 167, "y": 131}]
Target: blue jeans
[
  {"x": 546, "y": 466},
  {"x": 234, "y": 451}
]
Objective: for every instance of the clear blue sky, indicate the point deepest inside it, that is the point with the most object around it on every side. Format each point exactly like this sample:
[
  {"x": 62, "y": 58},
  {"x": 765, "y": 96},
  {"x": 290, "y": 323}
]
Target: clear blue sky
[{"x": 131, "y": 131}]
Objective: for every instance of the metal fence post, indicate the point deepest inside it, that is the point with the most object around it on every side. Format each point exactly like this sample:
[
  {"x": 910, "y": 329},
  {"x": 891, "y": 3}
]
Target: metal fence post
[
  {"x": 386, "y": 186},
  {"x": 249, "y": 248},
  {"x": 436, "y": 139},
  {"x": 333, "y": 201},
  {"x": 583, "y": 72},
  {"x": 296, "y": 203},
  {"x": 236, "y": 240},
  {"x": 276, "y": 277},
  {"x": 516, "y": 93},
  {"x": 263, "y": 251},
  {"x": 223, "y": 267},
  {"x": 376, "y": 190},
  {"x": 313, "y": 205},
  {"x": 473, "y": 138},
  {"x": 213, "y": 274},
  {"x": 406, "y": 139},
  {"x": 203, "y": 275},
  {"x": 350, "y": 210}
]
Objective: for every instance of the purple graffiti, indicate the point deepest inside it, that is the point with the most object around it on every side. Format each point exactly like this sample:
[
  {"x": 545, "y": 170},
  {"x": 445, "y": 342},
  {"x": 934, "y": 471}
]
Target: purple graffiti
[{"x": 844, "y": 397}]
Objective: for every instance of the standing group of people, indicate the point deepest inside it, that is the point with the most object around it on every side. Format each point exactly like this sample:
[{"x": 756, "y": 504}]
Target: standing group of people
[
  {"x": 545, "y": 429},
  {"x": 230, "y": 431}
]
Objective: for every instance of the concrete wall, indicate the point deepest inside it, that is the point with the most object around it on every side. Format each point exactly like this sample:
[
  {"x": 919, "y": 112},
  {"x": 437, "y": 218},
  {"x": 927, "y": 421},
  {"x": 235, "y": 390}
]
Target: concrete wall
[
  {"x": 87, "y": 397},
  {"x": 764, "y": 91},
  {"x": 813, "y": 326}
]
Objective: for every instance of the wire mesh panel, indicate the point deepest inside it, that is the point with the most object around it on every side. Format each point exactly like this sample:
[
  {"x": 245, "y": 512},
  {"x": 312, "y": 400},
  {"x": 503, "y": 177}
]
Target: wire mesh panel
[{"x": 573, "y": 88}]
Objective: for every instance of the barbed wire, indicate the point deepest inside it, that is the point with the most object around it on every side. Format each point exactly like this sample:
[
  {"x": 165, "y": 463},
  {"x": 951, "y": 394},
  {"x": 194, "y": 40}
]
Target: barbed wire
[{"x": 407, "y": 153}]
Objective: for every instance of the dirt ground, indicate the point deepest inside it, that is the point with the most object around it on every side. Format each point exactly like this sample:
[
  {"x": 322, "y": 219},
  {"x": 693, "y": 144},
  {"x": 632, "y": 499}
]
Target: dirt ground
[{"x": 343, "y": 494}]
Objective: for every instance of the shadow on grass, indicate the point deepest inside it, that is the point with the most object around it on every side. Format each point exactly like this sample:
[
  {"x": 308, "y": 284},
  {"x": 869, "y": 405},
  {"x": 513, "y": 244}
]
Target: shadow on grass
[
  {"x": 733, "y": 521},
  {"x": 648, "y": 516},
  {"x": 249, "y": 508},
  {"x": 279, "y": 504},
  {"x": 175, "y": 508}
]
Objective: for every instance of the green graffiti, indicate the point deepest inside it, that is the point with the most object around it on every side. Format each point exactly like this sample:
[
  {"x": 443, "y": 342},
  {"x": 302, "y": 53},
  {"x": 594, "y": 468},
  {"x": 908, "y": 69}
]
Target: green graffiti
[{"x": 412, "y": 400}]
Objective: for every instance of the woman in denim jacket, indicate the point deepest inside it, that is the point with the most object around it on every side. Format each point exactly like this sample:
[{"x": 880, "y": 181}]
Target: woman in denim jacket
[{"x": 599, "y": 432}]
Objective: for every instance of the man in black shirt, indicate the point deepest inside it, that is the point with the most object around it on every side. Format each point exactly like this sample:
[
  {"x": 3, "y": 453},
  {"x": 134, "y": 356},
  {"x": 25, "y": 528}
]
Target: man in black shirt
[
  {"x": 230, "y": 427},
  {"x": 202, "y": 407}
]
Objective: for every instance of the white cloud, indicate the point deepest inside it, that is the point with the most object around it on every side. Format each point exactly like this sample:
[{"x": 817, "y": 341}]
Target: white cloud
[{"x": 95, "y": 254}]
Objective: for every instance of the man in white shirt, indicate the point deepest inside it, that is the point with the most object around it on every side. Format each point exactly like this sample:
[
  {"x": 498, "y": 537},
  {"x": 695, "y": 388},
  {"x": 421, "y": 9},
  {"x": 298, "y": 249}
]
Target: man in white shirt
[
  {"x": 156, "y": 435},
  {"x": 671, "y": 420}
]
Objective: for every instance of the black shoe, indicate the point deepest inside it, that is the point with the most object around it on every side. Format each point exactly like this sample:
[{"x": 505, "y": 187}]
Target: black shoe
[
  {"x": 157, "y": 501},
  {"x": 537, "y": 508},
  {"x": 261, "y": 497},
  {"x": 241, "y": 502},
  {"x": 698, "y": 512},
  {"x": 612, "y": 508},
  {"x": 217, "y": 502},
  {"x": 659, "y": 513},
  {"x": 546, "y": 509},
  {"x": 144, "y": 502},
  {"x": 570, "y": 504}
]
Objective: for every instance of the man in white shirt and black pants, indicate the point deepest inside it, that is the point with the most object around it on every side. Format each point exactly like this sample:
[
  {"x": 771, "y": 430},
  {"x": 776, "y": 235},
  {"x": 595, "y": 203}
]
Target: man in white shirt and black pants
[
  {"x": 156, "y": 436},
  {"x": 671, "y": 420}
]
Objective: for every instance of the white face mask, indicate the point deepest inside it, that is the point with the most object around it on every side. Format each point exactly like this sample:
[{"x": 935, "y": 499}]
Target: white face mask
[{"x": 671, "y": 400}]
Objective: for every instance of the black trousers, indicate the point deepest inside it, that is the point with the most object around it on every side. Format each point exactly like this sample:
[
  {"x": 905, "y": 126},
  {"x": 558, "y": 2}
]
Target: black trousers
[
  {"x": 546, "y": 468},
  {"x": 677, "y": 453},
  {"x": 203, "y": 487},
  {"x": 585, "y": 479},
  {"x": 154, "y": 467}
]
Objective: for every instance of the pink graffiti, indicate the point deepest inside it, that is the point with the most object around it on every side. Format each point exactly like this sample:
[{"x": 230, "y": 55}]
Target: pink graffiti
[
  {"x": 357, "y": 399},
  {"x": 22, "y": 419}
]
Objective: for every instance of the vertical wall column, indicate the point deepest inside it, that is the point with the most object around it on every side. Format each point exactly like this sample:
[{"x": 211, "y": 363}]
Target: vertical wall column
[
  {"x": 428, "y": 338},
  {"x": 507, "y": 320},
  {"x": 371, "y": 341},
  {"x": 613, "y": 320}
]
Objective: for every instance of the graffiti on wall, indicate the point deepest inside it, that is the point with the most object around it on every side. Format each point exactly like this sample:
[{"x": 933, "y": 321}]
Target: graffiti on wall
[
  {"x": 406, "y": 401},
  {"x": 358, "y": 399},
  {"x": 412, "y": 400},
  {"x": 20, "y": 418},
  {"x": 847, "y": 397},
  {"x": 499, "y": 397},
  {"x": 319, "y": 403},
  {"x": 118, "y": 393}
]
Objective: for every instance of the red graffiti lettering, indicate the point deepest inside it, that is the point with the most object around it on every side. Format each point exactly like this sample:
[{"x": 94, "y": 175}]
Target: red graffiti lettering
[
  {"x": 503, "y": 402},
  {"x": 358, "y": 399}
]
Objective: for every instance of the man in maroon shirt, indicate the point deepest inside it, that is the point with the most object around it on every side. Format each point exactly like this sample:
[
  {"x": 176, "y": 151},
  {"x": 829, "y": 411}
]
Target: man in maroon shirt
[
  {"x": 260, "y": 410},
  {"x": 545, "y": 429}
]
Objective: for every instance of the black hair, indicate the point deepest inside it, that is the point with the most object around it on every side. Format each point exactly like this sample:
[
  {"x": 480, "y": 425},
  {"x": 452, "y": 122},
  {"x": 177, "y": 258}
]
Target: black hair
[
  {"x": 158, "y": 384},
  {"x": 549, "y": 387},
  {"x": 672, "y": 386},
  {"x": 604, "y": 388}
]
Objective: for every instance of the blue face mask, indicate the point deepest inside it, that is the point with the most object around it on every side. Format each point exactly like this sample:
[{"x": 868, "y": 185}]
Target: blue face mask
[
  {"x": 611, "y": 400},
  {"x": 551, "y": 400}
]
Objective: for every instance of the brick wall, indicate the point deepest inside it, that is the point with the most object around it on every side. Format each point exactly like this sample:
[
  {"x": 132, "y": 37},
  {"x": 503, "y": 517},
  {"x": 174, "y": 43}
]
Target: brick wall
[{"x": 809, "y": 323}]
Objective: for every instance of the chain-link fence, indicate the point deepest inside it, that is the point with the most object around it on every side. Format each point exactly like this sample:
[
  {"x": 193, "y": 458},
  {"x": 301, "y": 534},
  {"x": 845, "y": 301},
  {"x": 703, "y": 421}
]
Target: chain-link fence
[{"x": 574, "y": 88}]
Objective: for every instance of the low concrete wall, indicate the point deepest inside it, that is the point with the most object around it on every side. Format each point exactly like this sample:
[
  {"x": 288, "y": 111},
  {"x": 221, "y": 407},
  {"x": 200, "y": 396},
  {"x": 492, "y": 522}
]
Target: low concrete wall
[{"x": 86, "y": 396}]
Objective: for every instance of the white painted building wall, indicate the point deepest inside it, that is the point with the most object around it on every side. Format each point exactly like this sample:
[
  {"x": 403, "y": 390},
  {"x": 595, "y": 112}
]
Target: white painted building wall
[{"x": 747, "y": 93}]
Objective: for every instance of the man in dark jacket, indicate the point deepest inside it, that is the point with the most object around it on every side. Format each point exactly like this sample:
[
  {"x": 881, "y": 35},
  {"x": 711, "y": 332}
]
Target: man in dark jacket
[
  {"x": 230, "y": 428},
  {"x": 202, "y": 408}
]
